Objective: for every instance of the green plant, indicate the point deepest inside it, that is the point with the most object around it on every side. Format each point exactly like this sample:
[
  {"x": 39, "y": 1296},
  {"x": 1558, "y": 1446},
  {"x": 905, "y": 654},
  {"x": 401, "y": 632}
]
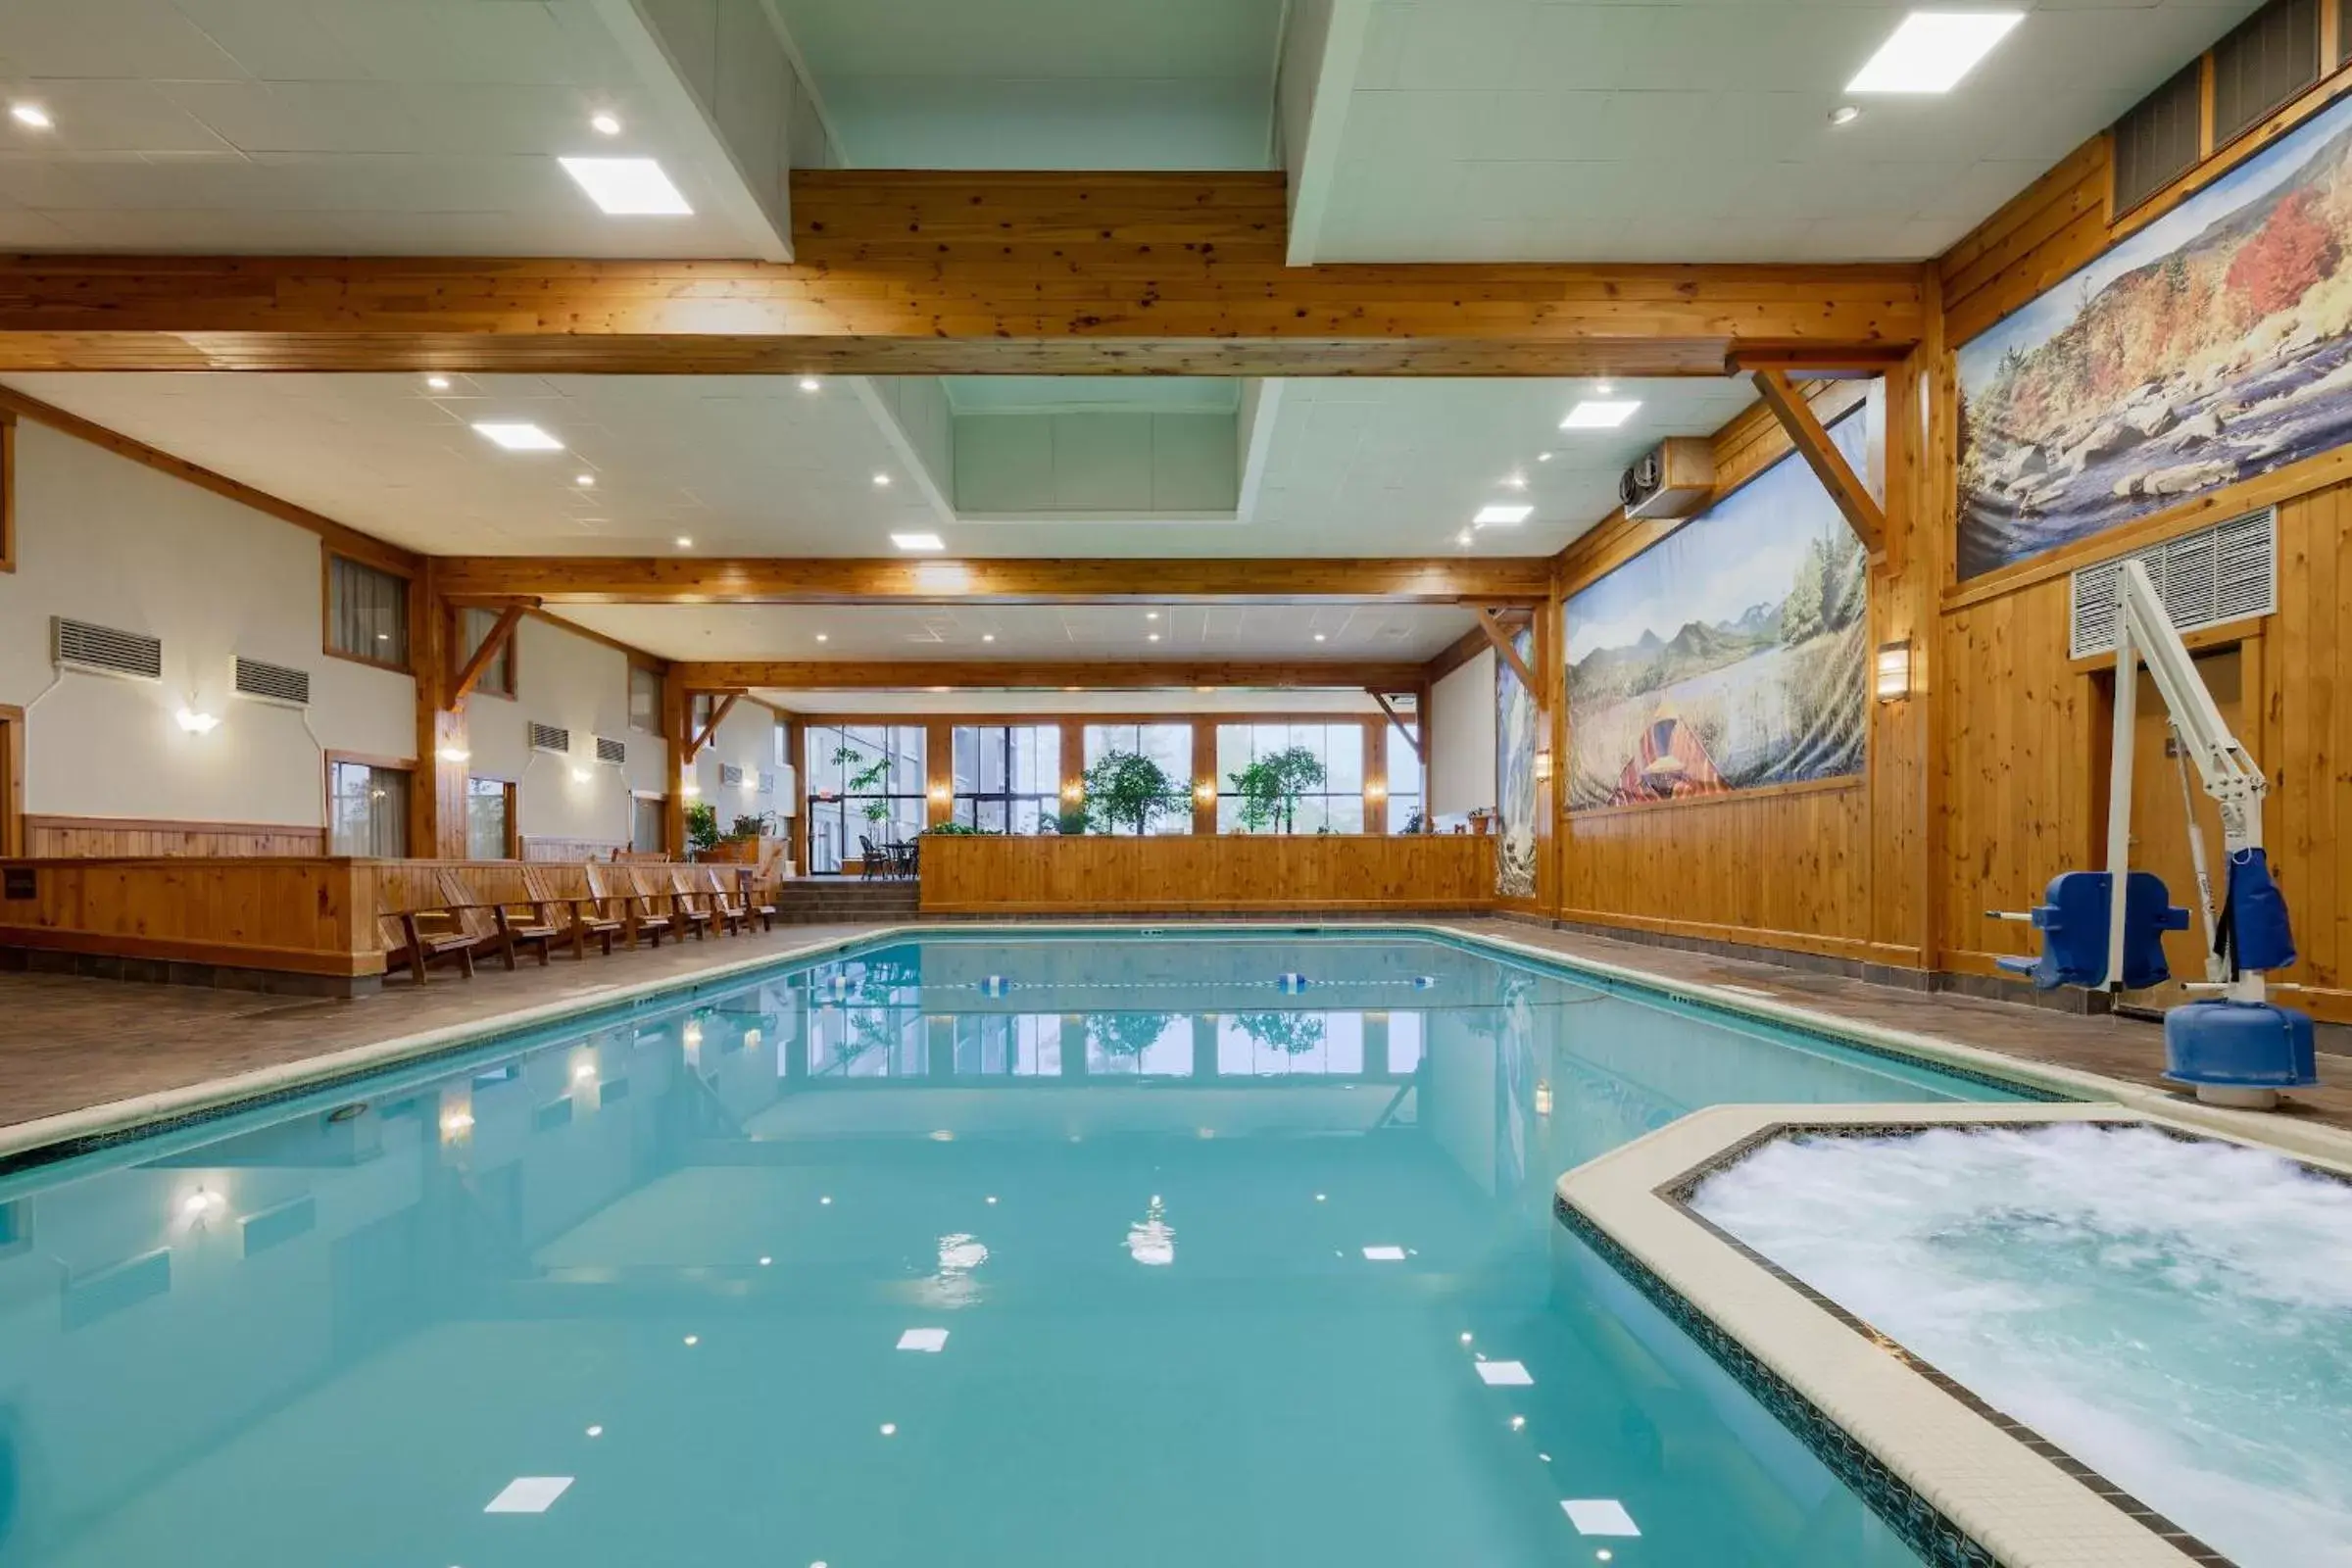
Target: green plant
[
  {"x": 1270, "y": 788},
  {"x": 1070, "y": 821},
  {"x": 1294, "y": 1034},
  {"x": 867, "y": 779},
  {"x": 960, "y": 830},
  {"x": 1126, "y": 789},
  {"x": 1126, "y": 1034},
  {"x": 752, "y": 825},
  {"x": 702, "y": 827}
]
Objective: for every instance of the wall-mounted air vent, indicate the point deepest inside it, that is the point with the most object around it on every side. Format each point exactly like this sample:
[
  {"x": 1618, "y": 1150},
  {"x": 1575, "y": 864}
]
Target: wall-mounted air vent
[
  {"x": 2226, "y": 573},
  {"x": 105, "y": 651},
  {"x": 610, "y": 750},
  {"x": 274, "y": 683},
  {"x": 548, "y": 738},
  {"x": 730, "y": 775}
]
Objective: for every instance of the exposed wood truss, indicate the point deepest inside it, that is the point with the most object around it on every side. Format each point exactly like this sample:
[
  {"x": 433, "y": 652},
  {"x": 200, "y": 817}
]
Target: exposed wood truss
[
  {"x": 500, "y": 634},
  {"x": 718, "y": 716},
  {"x": 956, "y": 273},
  {"x": 1500, "y": 636},
  {"x": 942, "y": 675},
  {"x": 655, "y": 580},
  {"x": 1403, "y": 728},
  {"x": 1812, "y": 441}
]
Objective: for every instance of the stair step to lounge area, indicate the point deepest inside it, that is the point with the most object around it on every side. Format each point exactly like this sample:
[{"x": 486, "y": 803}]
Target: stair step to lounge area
[{"x": 830, "y": 901}]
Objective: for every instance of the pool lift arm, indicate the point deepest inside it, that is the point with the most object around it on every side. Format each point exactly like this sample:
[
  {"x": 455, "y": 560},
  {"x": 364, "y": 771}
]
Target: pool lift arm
[{"x": 2237, "y": 1049}]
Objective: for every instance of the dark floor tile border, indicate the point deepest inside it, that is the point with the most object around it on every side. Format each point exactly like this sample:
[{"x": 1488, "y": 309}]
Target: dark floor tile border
[
  {"x": 17, "y": 960},
  {"x": 1676, "y": 1192}
]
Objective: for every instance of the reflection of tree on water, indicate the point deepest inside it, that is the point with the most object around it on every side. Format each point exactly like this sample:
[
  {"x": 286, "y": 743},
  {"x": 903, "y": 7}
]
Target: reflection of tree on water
[
  {"x": 1125, "y": 1034},
  {"x": 1294, "y": 1034}
]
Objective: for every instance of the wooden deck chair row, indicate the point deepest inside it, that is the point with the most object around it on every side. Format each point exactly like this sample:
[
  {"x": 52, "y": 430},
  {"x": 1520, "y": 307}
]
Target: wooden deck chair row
[{"x": 459, "y": 925}]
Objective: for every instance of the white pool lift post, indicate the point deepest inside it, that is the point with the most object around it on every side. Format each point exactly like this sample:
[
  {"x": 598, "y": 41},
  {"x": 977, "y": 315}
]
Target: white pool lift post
[{"x": 2239, "y": 1049}]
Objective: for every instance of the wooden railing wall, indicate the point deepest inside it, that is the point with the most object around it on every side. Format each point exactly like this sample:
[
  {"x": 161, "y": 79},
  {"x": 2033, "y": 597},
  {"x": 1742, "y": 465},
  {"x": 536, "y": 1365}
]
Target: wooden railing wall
[
  {"x": 120, "y": 838},
  {"x": 1224, "y": 875}
]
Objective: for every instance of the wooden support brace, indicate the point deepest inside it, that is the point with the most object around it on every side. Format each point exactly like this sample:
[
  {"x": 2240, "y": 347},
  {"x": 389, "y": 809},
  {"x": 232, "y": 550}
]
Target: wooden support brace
[
  {"x": 508, "y": 619},
  {"x": 1410, "y": 739},
  {"x": 1491, "y": 624},
  {"x": 1821, "y": 454},
  {"x": 718, "y": 717}
]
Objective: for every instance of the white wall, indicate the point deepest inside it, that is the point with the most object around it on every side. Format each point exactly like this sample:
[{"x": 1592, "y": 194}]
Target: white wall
[
  {"x": 582, "y": 685},
  {"x": 747, "y": 738},
  {"x": 105, "y": 539},
  {"x": 1461, "y": 739}
]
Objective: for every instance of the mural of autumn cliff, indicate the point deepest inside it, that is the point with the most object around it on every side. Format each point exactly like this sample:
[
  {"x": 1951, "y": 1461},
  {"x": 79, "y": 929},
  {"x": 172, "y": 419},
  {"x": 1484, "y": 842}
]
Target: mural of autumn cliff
[
  {"x": 1729, "y": 656},
  {"x": 1515, "y": 744},
  {"x": 2214, "y": 345}
]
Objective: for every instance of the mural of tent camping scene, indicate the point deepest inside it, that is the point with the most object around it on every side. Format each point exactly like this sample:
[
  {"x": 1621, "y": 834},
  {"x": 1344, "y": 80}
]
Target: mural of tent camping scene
[
  {"x": 2211, "y": 346},
  {"x": 1731, "y": 655}
]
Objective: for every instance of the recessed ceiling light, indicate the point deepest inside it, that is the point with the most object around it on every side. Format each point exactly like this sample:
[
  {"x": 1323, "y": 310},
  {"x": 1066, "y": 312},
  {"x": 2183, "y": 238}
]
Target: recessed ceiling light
[
  {"x": 1151, "y": 636},
  {"x": 918, "y": 541},
  {"x": 988, "y": 636},
  {"x": 1464, "y": 537},
  {"x": 1931, "y": 50},
  {"x": 1318, "y": 636},
  {"x": 882, "y": 482},
  {"x": 824, "y": 637},
  {"x": 1594, "y": 413},
  {"x": 685, "y": 540},
  {"x": 1515, "y": 481},
  {"x": 1150, "y": 615},
  {"x": 517, "y": 437},
  {"x": 627, "y": 187},
  {"x": 809, "y": 383},
  {"x": 586, "y": 481},
  {"x": 1844, "y": 114},
  {"x": 33, "y": 115},
  {"x": 438, "y": 383},
  {"x": 1543, "y": 457},
  {"x": 606, "y": 123},
  {"x": 1500, "y": 517}
]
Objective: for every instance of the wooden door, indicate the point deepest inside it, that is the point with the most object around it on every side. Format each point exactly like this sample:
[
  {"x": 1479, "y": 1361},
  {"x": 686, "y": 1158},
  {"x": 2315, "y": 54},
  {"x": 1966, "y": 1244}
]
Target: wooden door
[{"x": 2159, "y": 825}]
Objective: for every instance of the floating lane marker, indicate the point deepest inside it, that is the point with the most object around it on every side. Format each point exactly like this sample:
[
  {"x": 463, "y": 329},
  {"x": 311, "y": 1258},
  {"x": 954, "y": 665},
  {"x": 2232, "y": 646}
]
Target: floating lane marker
[
  {"x": 931, "y": 1340},
  {"x": 1290, "y": 984},
  {"x": 1385, "y": 1255},
  {"x": 995, "y": 984},
  {"x": 1599, "y": 1516},
  {"x": 1505, "y": 1374},
  {"x": 530, "y": 1495},
  {"x": 1422, "y": 982}
]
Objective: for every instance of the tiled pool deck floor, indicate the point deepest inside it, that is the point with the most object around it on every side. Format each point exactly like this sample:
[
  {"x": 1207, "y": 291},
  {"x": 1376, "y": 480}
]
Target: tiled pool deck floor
[{"x": 67, "y": 1044}]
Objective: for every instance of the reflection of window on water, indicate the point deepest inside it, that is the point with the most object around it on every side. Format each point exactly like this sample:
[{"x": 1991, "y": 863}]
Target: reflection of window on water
[
  {"x": 857, "y": 1041},
  {"x": 1405, "y": 1041},
  {"x": 1152, "y": 1043},
  {"x": 1266, "y": 1045},
  {"x": 1009, "y": 1044}
]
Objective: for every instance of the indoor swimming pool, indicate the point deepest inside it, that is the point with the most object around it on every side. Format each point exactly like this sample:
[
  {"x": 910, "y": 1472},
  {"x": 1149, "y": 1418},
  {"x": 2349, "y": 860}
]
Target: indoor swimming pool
[{"x": 1122, "y": 1248}]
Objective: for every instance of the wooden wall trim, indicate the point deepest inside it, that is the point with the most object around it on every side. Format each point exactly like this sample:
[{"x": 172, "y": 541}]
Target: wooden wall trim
[
  {"x": 11, "y": 780},
  {"x": 1226, "y": 873},
  {"x": 98, "y": 837},
  {"x": 1858, "y": 949},
  {"x": 1702, "y": 803},
  {"x": 949, "y": 676},
  {"x": 341, "y": 537}
]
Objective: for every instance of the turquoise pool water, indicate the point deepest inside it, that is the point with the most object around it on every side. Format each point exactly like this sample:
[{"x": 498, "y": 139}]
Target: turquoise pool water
[{"x": 965, "y": 1251}]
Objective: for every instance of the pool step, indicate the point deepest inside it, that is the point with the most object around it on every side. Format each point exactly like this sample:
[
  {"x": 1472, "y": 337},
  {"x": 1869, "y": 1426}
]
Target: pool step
[{"x": 821, "y": 901}]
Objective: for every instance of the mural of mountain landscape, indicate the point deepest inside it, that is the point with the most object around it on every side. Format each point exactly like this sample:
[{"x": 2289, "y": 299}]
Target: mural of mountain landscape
[
  {"x": 1731, "y": 655},
  {"x": 2214, "y": 345}
]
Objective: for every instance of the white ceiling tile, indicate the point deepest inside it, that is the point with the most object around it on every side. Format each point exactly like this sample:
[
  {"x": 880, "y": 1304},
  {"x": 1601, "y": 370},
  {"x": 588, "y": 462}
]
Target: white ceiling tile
[{"x": 107, "y": 39}]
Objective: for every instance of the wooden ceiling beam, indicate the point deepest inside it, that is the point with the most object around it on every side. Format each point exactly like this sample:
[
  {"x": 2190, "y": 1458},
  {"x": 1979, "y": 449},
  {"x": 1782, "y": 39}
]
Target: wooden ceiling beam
[
  {"x": 718, "y": 717},
  {"x": 943, "y": 675},
  {"x": 684, "y": 580},
  {"x": 1491, "y": 624},
  {"x": 1397, "y": 720},
  {"x": 945, "y": 273},
  {"x": 1812, "y": 441},
  {"x": 500, "y": 634}
]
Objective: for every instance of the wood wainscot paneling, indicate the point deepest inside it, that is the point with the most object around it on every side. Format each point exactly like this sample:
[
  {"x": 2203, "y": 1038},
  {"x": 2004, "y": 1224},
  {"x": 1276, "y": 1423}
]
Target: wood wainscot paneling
[
  {"x": 574, "y": 850},
  {"x": 305, "y": 916},
  {"x": 1228, "y": 873},
  {"x": 120, "y": 838}
]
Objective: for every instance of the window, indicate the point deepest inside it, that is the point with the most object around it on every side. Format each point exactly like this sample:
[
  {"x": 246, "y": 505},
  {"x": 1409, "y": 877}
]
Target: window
[
  {"x": 367, "y": 614},
  {"x": 498, "y": 676},
  {"x": 646, "y": 817},
  {"x": 368, "y": 810},
  {"x": 866, "y": 781},
  {"x": 1404, "y": 780},
  {"x": 1337, "y": 804},
  {"x": 645, "y": 700},
  {"x": 1168, "y": 744},
  {"x": 698, "y": 708},
  {"x": 1007, "y": 776},
  {"x": 783, "y": 749},
  {"x": 489, "y": 819}
]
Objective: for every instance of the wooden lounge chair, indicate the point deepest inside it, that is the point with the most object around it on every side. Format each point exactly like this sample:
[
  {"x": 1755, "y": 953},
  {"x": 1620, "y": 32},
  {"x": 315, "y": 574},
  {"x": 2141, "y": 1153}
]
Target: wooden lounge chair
[
  {"x": 733, "y": 916},
  {"x": 619, "y": 898},
  {"x": 580, "y": 918},
  {"x": 527, "y": 923},
  {"x": 693, "y": 906},
  {"x": 449, "y": 932}
]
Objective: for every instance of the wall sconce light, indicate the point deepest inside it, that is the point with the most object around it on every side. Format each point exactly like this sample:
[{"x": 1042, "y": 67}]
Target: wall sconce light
[
  {"x": 939, "y": 795},
  {"x": 690, "y": 787},
  {"x": 1376, "y": 792},
  {"x": 1543, "y": 1099},
  {"x": 196, "y": 724},
  {"x": 454, "y": 754},
  {"x": 1543, "y": 765},
  {"x": 1072, "y": 792},
  {"x": 1893, "y": 671},
  {"x": 1205, "y": 792},
  {"x": 581, "y": 775}
]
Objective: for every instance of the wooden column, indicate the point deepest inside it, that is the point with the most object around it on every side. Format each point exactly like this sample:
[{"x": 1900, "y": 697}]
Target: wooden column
[
  {"x": 1376, "y": 776},
  {"x": 437, "y": 788},
  {"x": 938, "y": 772},
  {"x": 1204, "y": 776},
  {"x": 676, "y": 714},
  {"x": 1552, "y": 646},
  {"x": 796, "y": 747},
  {"x": 1073, "y": 763}
]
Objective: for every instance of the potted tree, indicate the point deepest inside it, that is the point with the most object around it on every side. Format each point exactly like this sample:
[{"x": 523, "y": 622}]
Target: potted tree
[
  {"x": 1128, "y": 790},
  {"x": 1270, "y": 789}
]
